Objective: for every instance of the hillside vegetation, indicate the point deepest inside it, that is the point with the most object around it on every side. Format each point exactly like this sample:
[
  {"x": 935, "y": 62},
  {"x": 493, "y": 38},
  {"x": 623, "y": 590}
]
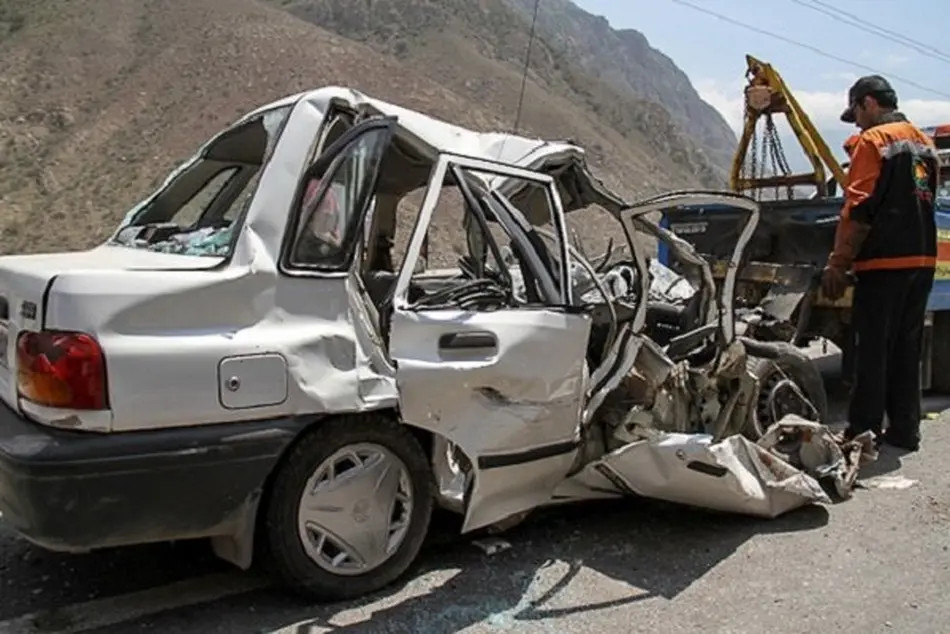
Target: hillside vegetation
[{"x": 100, "y": 99}]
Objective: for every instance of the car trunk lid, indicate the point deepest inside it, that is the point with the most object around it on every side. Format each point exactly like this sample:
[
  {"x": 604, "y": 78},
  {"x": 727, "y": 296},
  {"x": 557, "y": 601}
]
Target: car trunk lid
[{"x": 26, "y": 280}]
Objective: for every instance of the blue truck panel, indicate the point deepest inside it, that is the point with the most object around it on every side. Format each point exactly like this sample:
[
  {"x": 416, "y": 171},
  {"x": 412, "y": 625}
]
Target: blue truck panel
[{"x": 824, "y": 211}]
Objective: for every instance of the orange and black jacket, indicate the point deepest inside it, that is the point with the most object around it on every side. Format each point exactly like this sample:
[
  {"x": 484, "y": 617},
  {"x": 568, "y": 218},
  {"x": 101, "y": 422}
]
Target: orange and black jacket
[{"x": 892, "y": 184}]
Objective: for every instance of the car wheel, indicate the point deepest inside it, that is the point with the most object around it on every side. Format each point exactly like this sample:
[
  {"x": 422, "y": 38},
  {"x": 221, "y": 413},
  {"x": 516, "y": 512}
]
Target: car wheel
[
  {"x": 772, "y": 404},
  {"x": 349, "y": 509}
]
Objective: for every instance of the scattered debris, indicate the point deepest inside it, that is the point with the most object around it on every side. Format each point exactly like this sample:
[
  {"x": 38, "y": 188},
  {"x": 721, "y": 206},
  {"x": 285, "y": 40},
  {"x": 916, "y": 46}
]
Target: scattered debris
[
  {"x": 208, "y": 241},
  {"x": 893, "y": 482},
  {"x": 492, "y": 545},
  {"x": 817, "y": 451}
]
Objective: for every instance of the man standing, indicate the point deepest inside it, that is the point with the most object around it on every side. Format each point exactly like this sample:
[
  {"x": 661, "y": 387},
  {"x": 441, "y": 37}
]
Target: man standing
[{"x": 887, "y": 237}]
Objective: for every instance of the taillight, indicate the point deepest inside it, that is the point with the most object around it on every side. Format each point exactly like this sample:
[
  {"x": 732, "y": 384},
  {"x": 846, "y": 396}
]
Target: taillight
[{"x": 61, "y": 369}]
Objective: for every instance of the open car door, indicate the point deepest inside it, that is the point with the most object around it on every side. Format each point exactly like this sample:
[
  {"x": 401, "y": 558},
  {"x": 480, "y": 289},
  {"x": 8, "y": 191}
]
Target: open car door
[{"x": 501, "y": 377}]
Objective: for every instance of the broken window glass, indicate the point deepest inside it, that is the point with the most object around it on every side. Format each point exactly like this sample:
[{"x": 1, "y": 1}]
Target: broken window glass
[{"x": 197, "y": 209}]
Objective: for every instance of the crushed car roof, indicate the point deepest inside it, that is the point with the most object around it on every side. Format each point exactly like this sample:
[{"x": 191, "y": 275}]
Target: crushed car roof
[
  {"x": 438, "y": 134},
  {"x": 579, "y": 187}
]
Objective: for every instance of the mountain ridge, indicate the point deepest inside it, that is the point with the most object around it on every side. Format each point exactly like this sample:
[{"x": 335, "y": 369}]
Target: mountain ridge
[{"x": 88, "y": 127}]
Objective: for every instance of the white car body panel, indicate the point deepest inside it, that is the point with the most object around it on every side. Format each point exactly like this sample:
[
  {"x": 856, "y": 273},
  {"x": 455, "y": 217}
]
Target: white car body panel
[
  {"x": 182, "y": 316},
  {"x": 201, "y": 340}
]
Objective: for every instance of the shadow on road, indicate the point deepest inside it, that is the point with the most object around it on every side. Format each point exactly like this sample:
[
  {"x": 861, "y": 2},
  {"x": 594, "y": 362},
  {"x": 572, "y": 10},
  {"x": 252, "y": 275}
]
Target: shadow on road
[
  {"x": 32, "y": 578},
  {"x": 649, "y": 549},
  {"x": 657, "y": 550}
]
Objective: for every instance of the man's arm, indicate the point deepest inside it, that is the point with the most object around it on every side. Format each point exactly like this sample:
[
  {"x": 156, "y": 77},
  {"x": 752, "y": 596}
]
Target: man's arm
[{"x": 861, "y": 201}]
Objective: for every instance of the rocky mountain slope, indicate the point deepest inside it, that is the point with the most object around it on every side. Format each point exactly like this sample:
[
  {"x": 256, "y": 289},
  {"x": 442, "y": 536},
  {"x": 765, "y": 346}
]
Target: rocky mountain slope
[
  {"x": 625, "y": 60},
  {"x": 571, "y": 45},
  {"x": 131, "y": 87}
]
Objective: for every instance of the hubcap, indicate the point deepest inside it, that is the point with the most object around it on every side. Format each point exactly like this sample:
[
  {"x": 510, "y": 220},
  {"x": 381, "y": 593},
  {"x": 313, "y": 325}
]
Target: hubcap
[{"x": 355, "y": 509}]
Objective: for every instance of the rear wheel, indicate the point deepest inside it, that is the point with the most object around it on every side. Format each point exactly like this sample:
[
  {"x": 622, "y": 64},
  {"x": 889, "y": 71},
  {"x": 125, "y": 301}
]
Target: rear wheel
[
  {"x": 349, "y": 509},
  {"x": 782, "y": 383}
]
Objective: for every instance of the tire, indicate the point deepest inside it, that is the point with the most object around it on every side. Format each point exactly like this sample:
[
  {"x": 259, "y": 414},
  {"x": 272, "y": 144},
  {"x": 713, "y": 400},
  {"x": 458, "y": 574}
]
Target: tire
[
  {"x": 800, "y": 370},
  {"x": 286, "y": 551},
  {"x": 940, "y": 353}
]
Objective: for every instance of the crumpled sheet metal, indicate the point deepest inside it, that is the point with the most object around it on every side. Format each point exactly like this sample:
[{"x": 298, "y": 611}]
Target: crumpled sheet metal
[
  {"x": 737, "y": 475},
  {"x": 817, "y": 451},
  {"x": 666, "y": 285}
]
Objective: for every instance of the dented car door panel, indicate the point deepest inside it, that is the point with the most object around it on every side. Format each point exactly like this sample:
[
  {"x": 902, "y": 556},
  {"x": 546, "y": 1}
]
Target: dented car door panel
[{"x": 506, "y": 386}]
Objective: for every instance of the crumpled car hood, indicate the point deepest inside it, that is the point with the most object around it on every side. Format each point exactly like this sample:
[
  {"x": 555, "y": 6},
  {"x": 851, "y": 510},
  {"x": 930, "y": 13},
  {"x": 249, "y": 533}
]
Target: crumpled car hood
[{"x": 798, "y": 462}]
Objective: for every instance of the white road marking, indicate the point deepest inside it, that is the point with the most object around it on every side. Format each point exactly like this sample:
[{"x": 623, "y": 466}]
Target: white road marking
[{"x": 81, "y": 617}]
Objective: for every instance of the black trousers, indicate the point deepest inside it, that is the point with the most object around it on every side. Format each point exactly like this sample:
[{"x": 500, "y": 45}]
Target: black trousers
[{"x": 887, "y": 318}]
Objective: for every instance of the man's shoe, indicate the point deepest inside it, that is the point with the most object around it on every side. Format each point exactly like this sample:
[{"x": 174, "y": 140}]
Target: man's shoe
[{"x": 902, "y": 442}]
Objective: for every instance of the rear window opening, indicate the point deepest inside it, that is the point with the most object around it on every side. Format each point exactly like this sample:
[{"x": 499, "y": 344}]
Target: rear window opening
[{"x": 197, "y": 211}]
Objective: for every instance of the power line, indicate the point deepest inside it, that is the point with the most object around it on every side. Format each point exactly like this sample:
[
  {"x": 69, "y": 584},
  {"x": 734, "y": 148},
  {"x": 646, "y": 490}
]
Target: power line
[
  {"x": 524, "y": 76},
  {"x": 868, "y": 27},
  {"x": 890, "y": 32},
  {"x": 809, "y": 47},
  {"x": 527, "y": 64}
]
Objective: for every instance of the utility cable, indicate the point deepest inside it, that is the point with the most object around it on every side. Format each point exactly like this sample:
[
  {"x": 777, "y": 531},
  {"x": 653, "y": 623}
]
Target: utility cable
[
  {"x": 873, "y": 29},
  {"x": 809, "y": 47},
  {"x": 527, "y": 65},
  {"x": 524, "y": 76},
  {"x": 898, "y": 36}
]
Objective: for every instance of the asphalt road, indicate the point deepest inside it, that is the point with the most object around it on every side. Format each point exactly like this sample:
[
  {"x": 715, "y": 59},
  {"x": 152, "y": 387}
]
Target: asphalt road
[{"x": 877, "y": 563}]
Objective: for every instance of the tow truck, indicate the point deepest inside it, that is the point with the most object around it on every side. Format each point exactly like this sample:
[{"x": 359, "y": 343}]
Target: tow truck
[{"x": 777, "y": 284}]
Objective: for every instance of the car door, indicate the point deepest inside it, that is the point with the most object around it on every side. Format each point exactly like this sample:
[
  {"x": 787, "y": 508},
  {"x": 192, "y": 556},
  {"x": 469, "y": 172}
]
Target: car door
[{"x": 504, "y": 384}]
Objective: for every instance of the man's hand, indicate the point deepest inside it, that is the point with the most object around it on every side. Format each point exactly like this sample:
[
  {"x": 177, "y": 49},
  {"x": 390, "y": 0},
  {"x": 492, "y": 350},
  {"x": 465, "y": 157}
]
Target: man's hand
[{"x": 834, "y": 282}]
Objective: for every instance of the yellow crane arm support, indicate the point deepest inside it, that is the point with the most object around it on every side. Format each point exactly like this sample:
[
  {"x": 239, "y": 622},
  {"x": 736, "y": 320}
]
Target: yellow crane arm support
[{"x": 767, "y": 93}]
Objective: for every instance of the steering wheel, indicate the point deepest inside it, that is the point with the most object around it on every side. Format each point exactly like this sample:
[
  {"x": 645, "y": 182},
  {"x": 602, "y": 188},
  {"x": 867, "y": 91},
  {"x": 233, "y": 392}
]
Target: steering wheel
[
  {"x": 466, "y": 264},
  {"x": 448, "y": 295}
]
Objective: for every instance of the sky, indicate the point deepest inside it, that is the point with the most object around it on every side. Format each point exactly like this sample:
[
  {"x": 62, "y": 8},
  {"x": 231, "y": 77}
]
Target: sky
[{"x": 712, "y": 52}]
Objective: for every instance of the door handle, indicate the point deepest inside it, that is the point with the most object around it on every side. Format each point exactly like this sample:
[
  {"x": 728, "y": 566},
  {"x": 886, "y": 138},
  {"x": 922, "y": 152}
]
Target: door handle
[{"x": 477, "y": 340}]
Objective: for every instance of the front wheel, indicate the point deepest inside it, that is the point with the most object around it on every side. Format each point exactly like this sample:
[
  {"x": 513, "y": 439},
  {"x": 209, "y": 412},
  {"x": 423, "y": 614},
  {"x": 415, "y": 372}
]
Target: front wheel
[
  {"x": 782, "y": 383},
  {"x": 349, "y": 509}
]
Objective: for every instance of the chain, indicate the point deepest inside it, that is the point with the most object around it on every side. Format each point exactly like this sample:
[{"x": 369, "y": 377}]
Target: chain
[
  {"x": 772, "y": 153},
  {"x": 750, "y": 167},
  {"x": 777, "y": 151}
]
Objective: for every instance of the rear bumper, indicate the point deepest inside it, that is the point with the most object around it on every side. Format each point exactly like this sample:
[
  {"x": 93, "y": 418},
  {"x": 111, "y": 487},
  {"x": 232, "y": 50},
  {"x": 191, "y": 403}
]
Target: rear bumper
[{"x": 73, "y": 491}]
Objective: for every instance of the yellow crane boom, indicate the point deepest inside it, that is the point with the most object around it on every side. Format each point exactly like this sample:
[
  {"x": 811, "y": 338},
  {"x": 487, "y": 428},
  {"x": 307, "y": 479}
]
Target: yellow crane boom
[{"x": 767, "y": 94}]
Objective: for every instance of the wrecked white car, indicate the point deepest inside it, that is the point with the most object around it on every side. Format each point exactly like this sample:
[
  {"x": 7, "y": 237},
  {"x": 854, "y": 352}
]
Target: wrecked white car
[{"x": 249, "y": 359}]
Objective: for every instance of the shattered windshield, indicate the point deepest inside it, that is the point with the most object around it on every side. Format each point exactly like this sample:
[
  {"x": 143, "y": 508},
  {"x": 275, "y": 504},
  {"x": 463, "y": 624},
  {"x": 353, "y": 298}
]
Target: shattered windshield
[{"x": 197, "y": 210}]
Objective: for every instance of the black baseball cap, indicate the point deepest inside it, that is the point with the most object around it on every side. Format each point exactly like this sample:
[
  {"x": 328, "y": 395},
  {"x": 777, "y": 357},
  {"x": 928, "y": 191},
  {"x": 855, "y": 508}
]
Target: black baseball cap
[{"x": 865, "y": 87}]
